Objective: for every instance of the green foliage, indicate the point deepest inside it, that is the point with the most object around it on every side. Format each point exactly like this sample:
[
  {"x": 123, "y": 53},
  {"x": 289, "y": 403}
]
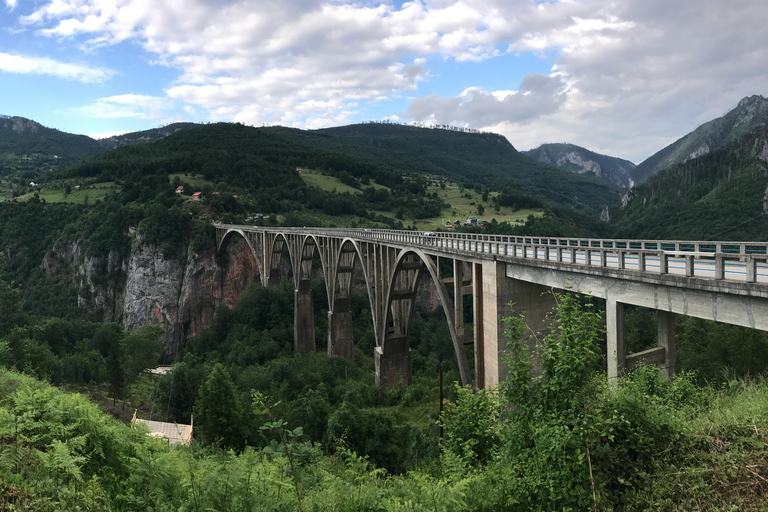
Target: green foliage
[
  {"x": 718, "y": 196},
  {"x": 218, "y": 412}
]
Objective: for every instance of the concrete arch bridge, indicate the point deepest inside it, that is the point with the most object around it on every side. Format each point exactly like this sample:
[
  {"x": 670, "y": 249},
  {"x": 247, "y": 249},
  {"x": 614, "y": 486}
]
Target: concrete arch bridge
[{"x": 722, "y": 281}]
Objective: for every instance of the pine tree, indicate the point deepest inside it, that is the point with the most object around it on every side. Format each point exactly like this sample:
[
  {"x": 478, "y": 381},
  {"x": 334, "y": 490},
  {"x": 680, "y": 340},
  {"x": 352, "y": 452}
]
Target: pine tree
[{"x": 218, "y": 413}]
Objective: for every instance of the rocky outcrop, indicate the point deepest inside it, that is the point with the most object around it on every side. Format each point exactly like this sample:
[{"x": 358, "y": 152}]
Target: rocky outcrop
[{"x": 146, "y": 287}]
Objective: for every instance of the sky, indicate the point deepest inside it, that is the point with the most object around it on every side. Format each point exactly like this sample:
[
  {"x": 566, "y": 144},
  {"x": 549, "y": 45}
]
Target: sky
[{"x": 623, "y": 77}]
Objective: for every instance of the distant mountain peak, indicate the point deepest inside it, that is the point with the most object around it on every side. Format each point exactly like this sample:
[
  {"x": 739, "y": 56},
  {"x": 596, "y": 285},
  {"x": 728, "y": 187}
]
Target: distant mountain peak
[
  {"x": 608, "y": 170},
  {"x": 748, "y": 115},
  {"x": 20, "y": 124}
]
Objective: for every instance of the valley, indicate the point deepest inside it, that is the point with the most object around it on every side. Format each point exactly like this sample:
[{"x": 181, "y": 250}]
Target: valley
[{"x": 106, "y": 271}]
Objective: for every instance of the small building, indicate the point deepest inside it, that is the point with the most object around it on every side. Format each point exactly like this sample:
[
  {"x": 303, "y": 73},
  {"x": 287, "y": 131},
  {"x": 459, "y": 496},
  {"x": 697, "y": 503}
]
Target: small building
[
  {"x": 172, "y": 432},
  {"x": 471, "y": 221},
  {"x": 180, "y": 189},
  {"x": 197, "y": 196}
]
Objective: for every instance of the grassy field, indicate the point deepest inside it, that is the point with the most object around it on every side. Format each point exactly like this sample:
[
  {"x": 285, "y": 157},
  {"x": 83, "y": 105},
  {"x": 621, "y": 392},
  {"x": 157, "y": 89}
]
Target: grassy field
[
  {"x": 56, "y": 195},
  {"x": 463, "y": 203},
  {"x": 324, "y": 182},
  {"x": 196, "y": 181}
]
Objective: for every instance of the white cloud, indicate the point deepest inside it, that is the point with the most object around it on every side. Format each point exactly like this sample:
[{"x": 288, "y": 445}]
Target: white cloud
[
  {"x": 538, "y": 95},
  {"x": 11, "y": 4},
  {"x": 127, "y": 105},
  {"x": 626, "y": 77},
  {"x": 44, "y": 66}
]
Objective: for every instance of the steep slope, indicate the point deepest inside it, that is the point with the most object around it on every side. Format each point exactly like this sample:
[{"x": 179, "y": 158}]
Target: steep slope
[
  {"x": 27, "y": 144},
  {"x": 484, "y": 158},
  {"x": 144, "y": 135},
  {"x": 722, "y": 195},
  {"x": 750, "y": 114},
  {"x": 608, "y": 170}
]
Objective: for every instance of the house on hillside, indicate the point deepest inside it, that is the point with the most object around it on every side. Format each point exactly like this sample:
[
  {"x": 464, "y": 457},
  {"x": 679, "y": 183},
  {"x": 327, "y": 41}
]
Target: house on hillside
[
  {"x": 471, "y": 221},
  {"x": 197, "y": 196},
  {"x": 180, "y": 189}
]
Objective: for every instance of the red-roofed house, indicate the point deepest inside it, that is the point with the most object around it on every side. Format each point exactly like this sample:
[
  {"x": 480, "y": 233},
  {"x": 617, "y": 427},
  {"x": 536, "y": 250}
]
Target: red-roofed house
[
  {"x": 197, "y": 196},
  {"x": 180, "y": 189}
]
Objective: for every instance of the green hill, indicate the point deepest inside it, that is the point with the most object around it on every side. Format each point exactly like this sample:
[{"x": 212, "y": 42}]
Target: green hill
[
  {"x": 750, "y": 114},
  {"x": 476, "y": 158},
  {"x": 718, "y": 196},
  {"x": 28, "y": 149}
]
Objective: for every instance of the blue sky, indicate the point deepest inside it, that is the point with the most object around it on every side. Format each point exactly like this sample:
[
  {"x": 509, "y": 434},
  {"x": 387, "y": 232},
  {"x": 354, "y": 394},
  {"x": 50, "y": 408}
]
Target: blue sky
[{"x": 622, "y": 78}]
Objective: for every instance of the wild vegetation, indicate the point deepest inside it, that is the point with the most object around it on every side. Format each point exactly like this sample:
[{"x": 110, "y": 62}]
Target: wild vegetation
[{"x": 566, "y": 441}]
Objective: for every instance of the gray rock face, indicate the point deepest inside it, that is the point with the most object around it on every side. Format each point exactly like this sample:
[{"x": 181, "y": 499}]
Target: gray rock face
[
  {"x": 152, "y": 291},
  {"x": 611, "y": 171},
  {"x": 146, "y": 287}
]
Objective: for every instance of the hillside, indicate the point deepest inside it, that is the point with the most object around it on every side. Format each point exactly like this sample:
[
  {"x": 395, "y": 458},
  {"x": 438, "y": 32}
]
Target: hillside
[
  {"x": 750, "y": 114},
  {"x": 722, "y": 195},
  {"x": 29, "y": 149},
  {"x": 476, "y": 158},
  {"x": 144, "y": 135},
  {"x": 608, "y": 170}
]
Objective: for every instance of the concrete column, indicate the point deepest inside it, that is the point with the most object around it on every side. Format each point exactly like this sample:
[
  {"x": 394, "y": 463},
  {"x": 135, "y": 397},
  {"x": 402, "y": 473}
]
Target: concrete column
[
  {"x": 340, "y": 339},
  {"x": 394, "y": 366},
  {"x": 303, "y": 319},
  {"x": 533, "y": 300},
  {"x": 477, "y": 321},
  {"x": 666, "y": 322},
  {"x": 614, "y": 319}
]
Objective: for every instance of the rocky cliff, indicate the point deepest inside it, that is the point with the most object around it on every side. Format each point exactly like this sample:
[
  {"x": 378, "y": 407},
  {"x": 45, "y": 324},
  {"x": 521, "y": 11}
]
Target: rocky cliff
[
  {"x": 146, "y": 287},
  {"x": 608, "y": 170}
]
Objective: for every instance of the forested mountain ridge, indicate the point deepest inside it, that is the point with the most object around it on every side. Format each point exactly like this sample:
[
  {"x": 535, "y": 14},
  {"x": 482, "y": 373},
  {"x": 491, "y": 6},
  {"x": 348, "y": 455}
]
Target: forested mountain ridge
[
  {"x": 750, "y": 114},
  {"x": 481, "y": 158},
  {"x": 29, "y": 147},
  {"x": 605, "y": 169},
  {"x": 722, "y": 195},
  {"x": 151, "y": 135}
]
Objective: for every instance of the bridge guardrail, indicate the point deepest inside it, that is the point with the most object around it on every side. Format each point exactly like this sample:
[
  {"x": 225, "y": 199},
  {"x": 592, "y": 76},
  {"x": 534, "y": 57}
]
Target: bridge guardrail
[{"x": 737, "y": 261}]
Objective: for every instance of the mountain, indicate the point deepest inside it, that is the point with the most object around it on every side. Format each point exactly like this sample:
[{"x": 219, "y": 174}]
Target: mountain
[
  {"x": 608, "y": 170},
  {"x": 750, "y": 114},
  {"x": 144, "y": 135},
  {"x": 722, "y": 195},
  {"x": 470, "y": 157},
  {"x": 29, "y": 148}
]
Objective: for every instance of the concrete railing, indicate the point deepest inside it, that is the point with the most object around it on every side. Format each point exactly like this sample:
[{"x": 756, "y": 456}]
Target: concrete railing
[{"x": 736, "y": 261}]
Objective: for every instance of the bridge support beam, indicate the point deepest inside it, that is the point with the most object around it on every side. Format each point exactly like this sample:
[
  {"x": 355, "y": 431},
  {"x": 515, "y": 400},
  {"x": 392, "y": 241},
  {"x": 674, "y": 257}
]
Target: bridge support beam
[
  {"x": 666, "y": 332},
  {"x": 393, "y": 366},
  {"x": 533, "y": 301},
  {"x": 303, "y": 319},
  {"x": 340, "y": 340},
  {"x": 614, "y": 324}
]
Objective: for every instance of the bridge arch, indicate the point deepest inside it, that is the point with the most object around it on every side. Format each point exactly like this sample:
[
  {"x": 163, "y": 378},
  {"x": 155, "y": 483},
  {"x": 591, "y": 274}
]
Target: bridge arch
[{"x": 393, "y": 352}]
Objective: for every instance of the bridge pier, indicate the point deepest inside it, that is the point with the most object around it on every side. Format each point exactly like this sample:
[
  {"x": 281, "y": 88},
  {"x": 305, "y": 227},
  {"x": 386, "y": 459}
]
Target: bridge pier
[
  {"x": 666, "y": 333},
  {"x": 340, "y": 339},
  {"x": 303, "y": 319},
  {"x": 393, "y": 366},
  {"x": 535, "y": 302}
]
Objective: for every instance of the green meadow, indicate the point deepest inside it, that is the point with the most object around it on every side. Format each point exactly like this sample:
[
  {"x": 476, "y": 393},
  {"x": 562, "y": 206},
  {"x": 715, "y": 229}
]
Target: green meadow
[{"x": 464, "y": 203}]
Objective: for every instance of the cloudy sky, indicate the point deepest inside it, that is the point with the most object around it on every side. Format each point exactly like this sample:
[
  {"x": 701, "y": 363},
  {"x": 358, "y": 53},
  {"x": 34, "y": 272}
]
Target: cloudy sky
[{"x": 623, "y": 77}]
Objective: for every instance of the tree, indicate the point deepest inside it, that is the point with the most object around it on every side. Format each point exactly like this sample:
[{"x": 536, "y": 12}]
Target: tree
[
  {"x": 480, "y": 209},
  {"x": 10, "y": 315},
  {"x": 218, "y": 413},
  {"x": 139, "y": 350}
]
